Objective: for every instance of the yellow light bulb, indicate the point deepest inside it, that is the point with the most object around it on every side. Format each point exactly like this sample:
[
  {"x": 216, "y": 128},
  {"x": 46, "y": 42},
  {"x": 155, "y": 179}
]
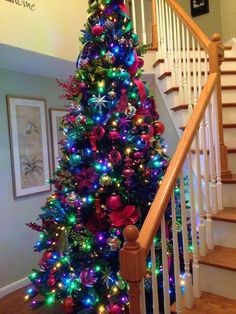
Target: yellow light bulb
[{"x": 26, "y": 297}]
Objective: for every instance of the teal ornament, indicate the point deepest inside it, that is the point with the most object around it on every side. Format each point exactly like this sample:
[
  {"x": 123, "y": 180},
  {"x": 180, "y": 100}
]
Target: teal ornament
[
  {"x": 124, "y": 75},
  {"x": 74, "y": 160}
]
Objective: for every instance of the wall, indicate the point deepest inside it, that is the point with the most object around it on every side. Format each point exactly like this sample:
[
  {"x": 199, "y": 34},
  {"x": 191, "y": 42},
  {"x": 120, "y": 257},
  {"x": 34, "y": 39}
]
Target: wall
[
  {"x": 52, "y": 28},
  {"x": 16, "y": 239},
  {"x": 228, "y": 20},
  {"x": 210, "y": 23}
]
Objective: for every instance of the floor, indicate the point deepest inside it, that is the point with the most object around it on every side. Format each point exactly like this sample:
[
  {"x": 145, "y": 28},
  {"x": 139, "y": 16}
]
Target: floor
[{"x": 14, "y": 304}]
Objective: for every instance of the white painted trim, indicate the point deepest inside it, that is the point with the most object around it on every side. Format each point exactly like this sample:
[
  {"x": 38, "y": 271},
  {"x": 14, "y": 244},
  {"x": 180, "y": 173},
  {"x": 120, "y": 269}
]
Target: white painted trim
[{"x": 14, "y": 286}]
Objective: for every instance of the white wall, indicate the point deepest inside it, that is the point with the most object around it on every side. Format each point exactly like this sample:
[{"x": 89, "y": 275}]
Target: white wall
[
  {"x": 53, "y": 29},
  {"x": 228, "y": 19},
  {"x": 16, "y": 239}
]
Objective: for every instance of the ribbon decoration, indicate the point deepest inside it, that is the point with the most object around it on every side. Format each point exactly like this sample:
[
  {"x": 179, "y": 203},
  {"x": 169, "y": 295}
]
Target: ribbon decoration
[{"x": 141, "y": 89}]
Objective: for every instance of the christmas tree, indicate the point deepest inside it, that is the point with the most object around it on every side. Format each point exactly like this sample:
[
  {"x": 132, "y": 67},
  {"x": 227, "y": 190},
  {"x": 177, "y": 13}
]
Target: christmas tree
[{"x": 113, "y": 162}]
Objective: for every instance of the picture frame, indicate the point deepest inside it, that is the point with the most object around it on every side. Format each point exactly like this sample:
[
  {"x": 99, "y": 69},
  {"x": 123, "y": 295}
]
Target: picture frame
[
  {"x": 199, "y": 7},
  {"x": 56, "y": 116},
  {"x": 28, "y": 145}
]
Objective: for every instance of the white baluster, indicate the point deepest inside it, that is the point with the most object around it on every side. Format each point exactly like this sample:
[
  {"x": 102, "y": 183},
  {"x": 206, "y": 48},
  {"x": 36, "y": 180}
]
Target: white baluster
[
  {"x": 143, "y": 297},
  {"x": 171, "y": 51},
  {"x": 159, "y": 29},
  {"x": 195, "y": 95},
  {"x": 188, "y": 288},
  {"x": 184, "y": 66},
  {"x": 202, "y": 227},
  {"x": 176, "y": 257},
  {"x": 154, "y": 281},
  {"x": 189, "y": 87},
  {"x": 134, "y": 16},
  {"x": 165, "y": 273},
  {"x": 180, "y": 67},
  {"x": 217, "y": 151},
  {"x": 143, "y": 23},
  {"x": 175, "y": 48},
  {"x": 167, "y": 38},
  {"x": 196, "y": 270},
  {"x": 213, "y": 188}
]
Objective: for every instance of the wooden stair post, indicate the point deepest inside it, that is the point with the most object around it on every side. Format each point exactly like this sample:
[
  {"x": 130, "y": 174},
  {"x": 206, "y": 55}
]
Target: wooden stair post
[
  {"x": 216, "y": 55},
  {"x": 133, "y": 267}
]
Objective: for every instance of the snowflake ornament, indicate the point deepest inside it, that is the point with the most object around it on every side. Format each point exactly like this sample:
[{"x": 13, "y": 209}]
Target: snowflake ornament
[{"x": 99, "y": 102}]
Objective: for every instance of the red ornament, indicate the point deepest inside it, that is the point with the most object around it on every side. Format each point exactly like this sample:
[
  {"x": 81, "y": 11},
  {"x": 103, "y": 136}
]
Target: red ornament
[
  {"x": 93, "y": 143},
  {"x": 97, "y": 30},
  {"x": 124, "y": 216},
  {"x": 123, "y": 102},
  {"x": 114, "y": 202},
  {"x": 113, "y": 135},
  {"x": 138, "y": 155},
  {"x": 140, "y": 62},
  {"x": 114, "y": 309},
  {"x": 98, "y": 132},
  {"x": 68, "y": 305},
  {"x": 114, "y": 156},
  {"x": 146, "y": 137},
  {"x": 134, "y": 66},
  {"x": 51, "y": 281},
  {"x": 159, "y": 128}
]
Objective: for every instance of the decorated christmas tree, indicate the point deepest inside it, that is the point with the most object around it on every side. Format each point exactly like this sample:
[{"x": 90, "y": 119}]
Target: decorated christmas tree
[{"x": 113, "y": 162}]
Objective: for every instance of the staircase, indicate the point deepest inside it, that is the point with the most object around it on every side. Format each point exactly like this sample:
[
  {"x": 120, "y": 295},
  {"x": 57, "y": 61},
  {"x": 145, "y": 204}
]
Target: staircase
[
  {"x": 218, "y": 268},
  {"x": 181, "y": 70}
]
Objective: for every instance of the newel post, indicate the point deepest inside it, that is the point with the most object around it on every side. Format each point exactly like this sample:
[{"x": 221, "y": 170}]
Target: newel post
[
  {"x": 133, "y": 267},
  {"x": 216, "y": 55}
]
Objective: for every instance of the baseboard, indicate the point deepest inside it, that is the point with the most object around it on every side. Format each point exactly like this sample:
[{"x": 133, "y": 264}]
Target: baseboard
[{"x": 14, "y": 286}]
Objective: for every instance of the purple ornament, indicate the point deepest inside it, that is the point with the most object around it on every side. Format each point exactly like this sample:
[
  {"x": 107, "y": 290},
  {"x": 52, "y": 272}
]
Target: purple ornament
[
  {"x": 114, "y": 202},
  {"x": 114, "y": 156},
  {"x": 87, "y": 277}
]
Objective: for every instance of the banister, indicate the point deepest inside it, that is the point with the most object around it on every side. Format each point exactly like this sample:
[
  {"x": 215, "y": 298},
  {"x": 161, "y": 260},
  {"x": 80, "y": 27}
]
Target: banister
[
  {"x": 153, "y": 219},
  {"x": 192, "y": 26}
]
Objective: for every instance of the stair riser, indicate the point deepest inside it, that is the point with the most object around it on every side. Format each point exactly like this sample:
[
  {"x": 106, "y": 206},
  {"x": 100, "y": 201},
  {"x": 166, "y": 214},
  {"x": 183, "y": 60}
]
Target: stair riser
[
  {"x": 230, "y": 137},
  {"x": 218, "y": 281},
  {"x": 229, "y": 199},
  {"x": 224, "y": 233},
  {"x": 228, "y": 66},
  {"x": 168, "y": 81},
  {"x": 228, "y": 96},
  {"x": 232, "y": 162},
  {"x": 229, "y": 115}
]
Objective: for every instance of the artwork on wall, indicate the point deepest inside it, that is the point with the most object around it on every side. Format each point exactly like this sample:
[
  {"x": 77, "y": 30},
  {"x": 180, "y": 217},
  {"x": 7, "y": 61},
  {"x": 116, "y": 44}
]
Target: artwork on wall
[
  {"x": 29, "y": 145},
  {"x": 56, "y": 116},
  {"x": 199, "y": 7}
]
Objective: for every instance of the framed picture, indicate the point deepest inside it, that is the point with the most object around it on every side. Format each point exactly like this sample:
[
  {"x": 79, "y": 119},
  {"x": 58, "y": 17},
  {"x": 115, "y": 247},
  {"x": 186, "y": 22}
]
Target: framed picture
[
  {"x": 56, "y": 116},
  {"x": 199, "y": 7},
  {"x": 29, "y": 145}
]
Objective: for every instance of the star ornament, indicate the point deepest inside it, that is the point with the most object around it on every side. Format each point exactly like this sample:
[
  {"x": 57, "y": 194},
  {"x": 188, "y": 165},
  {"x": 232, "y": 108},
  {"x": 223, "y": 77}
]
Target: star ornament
[{"x": 99, "y": 101}]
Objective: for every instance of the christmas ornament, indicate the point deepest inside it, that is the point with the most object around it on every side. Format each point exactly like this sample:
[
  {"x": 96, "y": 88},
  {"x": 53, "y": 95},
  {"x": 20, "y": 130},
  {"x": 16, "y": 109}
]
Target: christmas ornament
[
  {"x": 109, "y": 26},
  {"x": 112, "y": 94},
  {"x": 130, "y": 111},
  {"x": 87, "y": 277},
  {"x": 109, "y": 57},
  {"x": 86, "y": 178},
  {"x": 97, "y": 30},
  {"x": 51, "y": 281},
  {"x": 74, "y": 159},
  {"x": 123, "y": 101},
  {"x": 114, "y": 309},
  {"x": 98, "y": 132},
  {"x": 93, "y": 142},
  {"x": 140, "y": 62},
  {"x": 105, "y": 180},
  {"x": 114, "y": 243},
  {"x": 99, "y": 102},
  {"x": 114, "y": 156},
  {"x": 114, "y": 202},
  {"x": 68, "y": 305},
  {"x": 159, "y": 128},
  {"x": 113, "y": 135}
]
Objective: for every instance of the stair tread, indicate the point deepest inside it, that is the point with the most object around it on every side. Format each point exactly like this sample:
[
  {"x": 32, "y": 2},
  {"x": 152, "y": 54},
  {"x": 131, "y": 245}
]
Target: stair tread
[
  {"x": 176, "y": 88},
  {"x": 220, "y": 256},
  {"x": 230, "y": 180},
  {"x": 185, "y": 106},
  {"x": 210, "y": 304},
  {"x": 225, "y": 126},
  {"x": 230, "y": 150},
  {"x": 222, "y": 72},
  {"x": 228, "y": 214}
]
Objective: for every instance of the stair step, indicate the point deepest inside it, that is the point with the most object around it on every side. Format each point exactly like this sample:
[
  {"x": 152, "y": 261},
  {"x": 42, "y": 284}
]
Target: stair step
[
  {"x": 176, "y": 89},
  {"x": 210, "y": 304},
  {"x": 221, "y": 257},
  {"x": 225, "y": 126},
  {"x": 226, "y": 72},
  {"x": 184, "y": 107},
  {"x": 230, "y": 180},
  {"x": 228, "y": 214}
]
